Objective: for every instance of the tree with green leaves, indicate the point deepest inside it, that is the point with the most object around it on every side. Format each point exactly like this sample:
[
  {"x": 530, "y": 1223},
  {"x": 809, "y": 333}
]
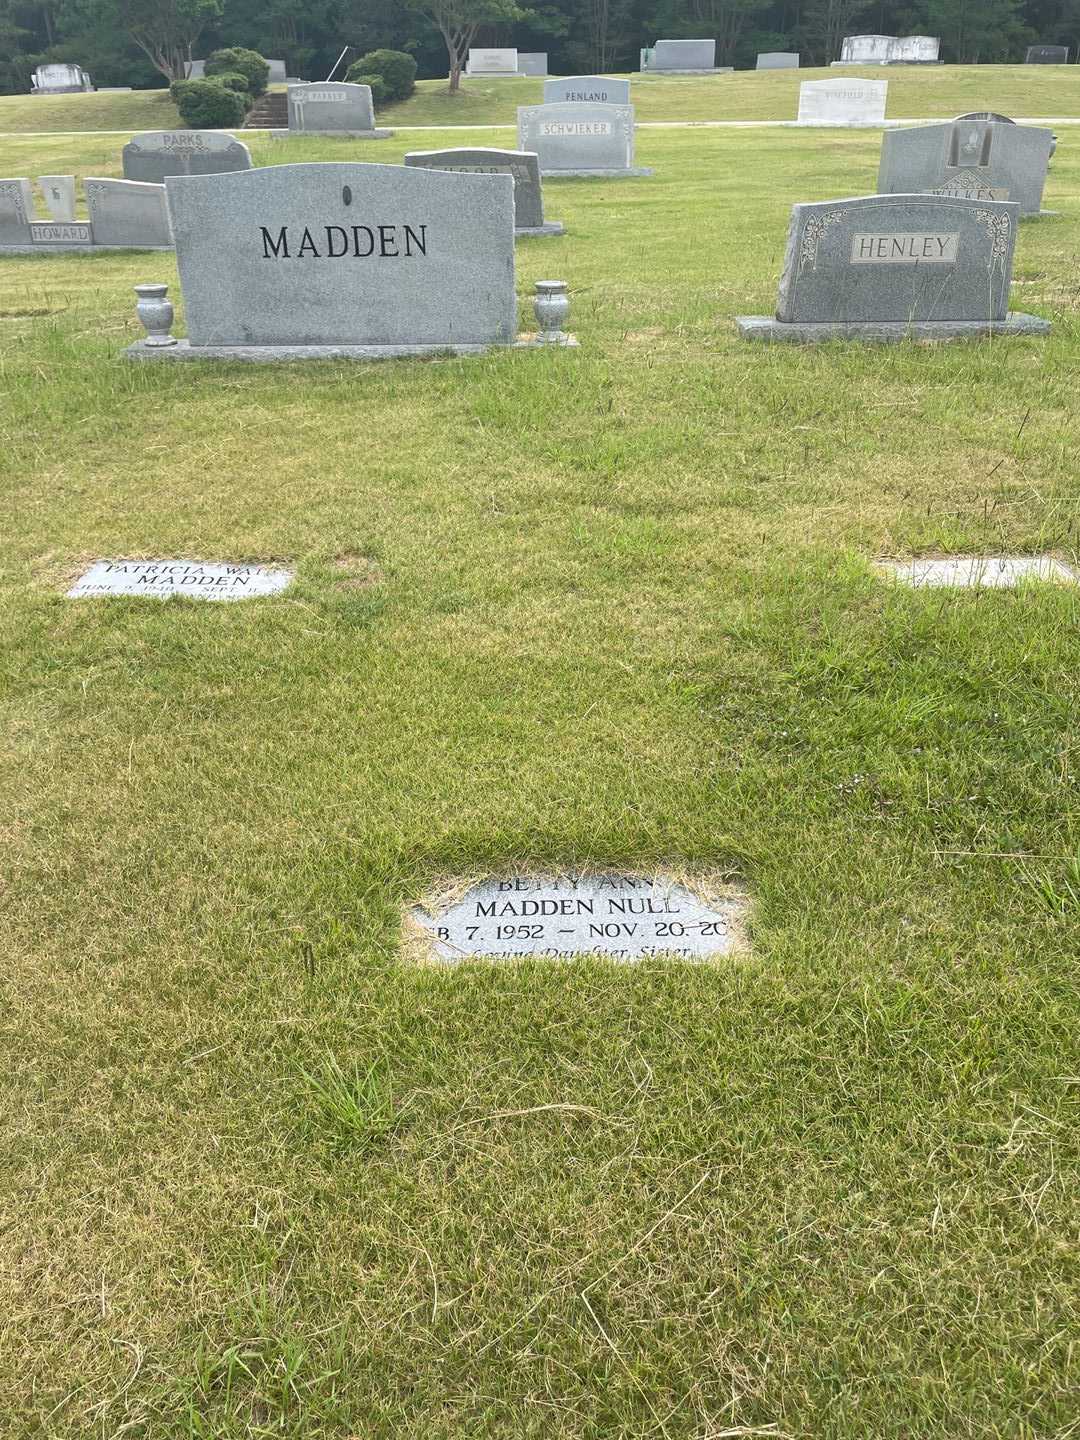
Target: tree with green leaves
[
  {"x": 165, "y": 30},
  {"x": 457, "y": 21}
]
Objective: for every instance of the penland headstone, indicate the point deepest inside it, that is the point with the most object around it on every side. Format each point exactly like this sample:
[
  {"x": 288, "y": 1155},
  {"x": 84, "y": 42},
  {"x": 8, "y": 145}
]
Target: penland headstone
[
  {"x": 381, "y": 257},
  {"x": 574, "y": 138},
  {"x": 556, "y": 917},
  {"x": 842, "y": 102},
  {"x": 16, "y": 212},
  {"x": 1047, "y": 55},
  {"x": 682, "y": 55},
  {"x": 128, "y": 214},
  {"x": 492, "y": 62},
  {"x": 151, "y": 156},
  {"x": 883, "y": 267},
  {"x": 158, "y": 579},
  {"x": 777, "y": 60},
  {"x": 982, "y": 159},
  {"x": 522, "y": 166},
  {"x": 59, "y": 192},
  {"x": 587, "y": 89},
  {"x": 532, "y": 63},
  {"x": 333, "y": 108}
]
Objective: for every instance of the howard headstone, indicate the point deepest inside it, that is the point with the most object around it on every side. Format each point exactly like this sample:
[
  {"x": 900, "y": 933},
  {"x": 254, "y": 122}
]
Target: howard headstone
[
  {"x": 983, "y": 159},
  {"x": 574, "y": 138},
  {"x": 346, "y": 255},
  {"x": 158, "y": 579},
  {"x": 1047, "y": 55},
  {"x": 151, "y": 156},
  {"x": 587, "y": 89},
  {"x": 522, "y": 166},
  {"x": 128, "y": 213},
  {"x": 842, "y": 102},
  {"x": 492, "y": 62},
  {"x": 332, "y": 108},
  {"x": 627, "y": 917},
  {"x": 883, "y": 267},
  {"x": 777, "y": 60}
]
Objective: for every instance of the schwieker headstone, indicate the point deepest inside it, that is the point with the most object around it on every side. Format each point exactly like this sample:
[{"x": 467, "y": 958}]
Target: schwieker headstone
[{"x": 575, "y": 138}]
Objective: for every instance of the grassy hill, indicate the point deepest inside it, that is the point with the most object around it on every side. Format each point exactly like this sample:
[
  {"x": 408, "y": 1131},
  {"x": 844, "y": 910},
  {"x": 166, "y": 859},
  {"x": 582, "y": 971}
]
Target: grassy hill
[
  {"x": 613, "y": 606},
  {"x": 771, "y": 95}
]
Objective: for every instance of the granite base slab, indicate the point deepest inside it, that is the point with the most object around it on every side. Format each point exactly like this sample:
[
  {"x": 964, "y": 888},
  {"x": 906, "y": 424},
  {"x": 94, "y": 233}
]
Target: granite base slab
[
  {"x": 631, "y": 174},
  {"x": 277, "y": 354},
  {"x": 885, "y": 332},
  {"x": 82, "y": 249},
  {"x": 716, "y": 70},
  {"x": 553, "y": 227},
  {"x": 330, "y": 134}
]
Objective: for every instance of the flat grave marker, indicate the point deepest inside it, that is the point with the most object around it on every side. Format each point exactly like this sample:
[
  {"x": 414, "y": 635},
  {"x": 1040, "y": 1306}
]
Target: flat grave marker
[
  {"x": 627, "y": 917},
  {"x": 977, "y": 572},
  {"x": 158, "y": 579}
]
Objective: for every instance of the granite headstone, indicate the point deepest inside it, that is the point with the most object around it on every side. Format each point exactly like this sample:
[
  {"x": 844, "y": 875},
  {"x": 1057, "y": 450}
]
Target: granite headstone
[
  {"x": 532, "y": 62},
  {"x": 156, "y": 153},
  {"x": 1047, "y": 55},
  {"x": 574, "y": 138},
  {"x": 60, "y": 79},
  {"x": 842, "y": 102},
  {"x": 522, "y": 166},
  {"x": 128, "y": 213},
  {"x": 587, "y": 89},
  {"x": 16, "y": 212},
  {"x": 978, "y": 572},
  {"x": 59, "y": 192},
  {"x": 983, "y": 159},
  {"x": 492, "y": 62},
  {"x": 686, "y": 55},
  {"x": 332, "y": 108},
  {"x": 777, "y": 60}
]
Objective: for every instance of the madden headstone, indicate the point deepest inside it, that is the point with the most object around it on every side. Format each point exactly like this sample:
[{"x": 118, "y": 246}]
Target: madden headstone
[
  {"x": 587, "y": 89},
  {"x": 627, "y": 917},
  {"x": 683, "y": 55},
  {"x": 883, "y": 266},
  {"x": 331, "y": 108},
  {"x": 345, "y": 254},
  {"x": 16, "y": 212},
  {"x": 158, "y": 579},
  {"x": 522, "y": 166},
  {"x": 128, "y": 213},
  {"x": 777, "y": 60},
  {"x": 532, "y": 62},
  {"x": 59, "y": 192},
  {"x": 574, "y": 138},
  {"x": 1047, "y": 55},
  {"x": 982, "y": 159},
  {"x": 491, "y": 62},
  {"x": 156, "y": 153},
  {"x": 842, "y": 102}
]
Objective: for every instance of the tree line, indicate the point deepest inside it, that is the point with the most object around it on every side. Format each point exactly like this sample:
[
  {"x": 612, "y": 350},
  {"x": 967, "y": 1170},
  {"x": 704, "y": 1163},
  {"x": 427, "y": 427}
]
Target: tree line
[{"x": 144, "y": 42}]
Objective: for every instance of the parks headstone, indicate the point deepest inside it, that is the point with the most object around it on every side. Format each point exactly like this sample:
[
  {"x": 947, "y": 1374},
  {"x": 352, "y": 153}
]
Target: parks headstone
[
  {"x": 1047, "y": 55},
  {"x": 346, "y": 255},
  {"x": 522, "y": 166},
  {"x": 777, "y": 60},
  {"x": 532, "y": 62},
  {"x": 574, "y": 138},
  {"x": 983, "y": 159},
  {"x": 586, "y": 89},
  {"x": 151, "y": 156},
  {"x": 158, "y": 579},
  {"x": 492, "y": 62},
  {"x": 332, "y": 108},
  {"x": 128, "y": 213},
  {"x": 883, "y": 267},
  {"x": 842, "y": 102},
  {"x": 627, "y": 917}
]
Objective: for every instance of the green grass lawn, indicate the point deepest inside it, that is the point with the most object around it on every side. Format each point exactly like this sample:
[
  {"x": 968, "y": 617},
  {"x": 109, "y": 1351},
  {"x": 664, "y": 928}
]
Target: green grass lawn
[
  {"x": 916, "y": 91},
  {"x": 610, "y": 607}
]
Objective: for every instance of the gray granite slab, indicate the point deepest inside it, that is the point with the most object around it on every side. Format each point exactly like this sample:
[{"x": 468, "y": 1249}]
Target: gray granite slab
[
  {"x": 1047, "y": 55},
  {"x": 578, "y": 136},
  {"x": 532, "y": 62},
  {"x": 522, "y": 166},
  {"x": 60, "y": 78},
  {"x": 683, "y": 55},
  {"x": 59, "y": 192},
  {"x": 777, "y": 60},
  {"x": 978, "y": 572},
  {"x": 156, "y": 153},
  {"x": 586, "y": 89},
  {"x": 898, "y": 258},
  {"x": 128, "y": 213},
  {"x": 626, "y": 917},
  {"x": 842, "y": 102},
  {"x": 345, "y": 254},
  {"x": 980, "y": 158},
  {"x": 158, "y": 579},
  {"x": 16, "y": 211},
  {"x": 499, "y": 62},
  {"x": 889, "y": 50},
  {"x": 332, "y": 108},
  {"x": 885, "y": 332}
]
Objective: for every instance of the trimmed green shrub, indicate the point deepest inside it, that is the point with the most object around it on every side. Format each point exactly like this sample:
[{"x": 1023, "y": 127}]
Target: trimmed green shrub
[
  {"x": 379, "y": 93},
  {"x": 398, "y": 72},
  {"x": 206, "y": 105},
  {"x": 232, "y": 80},
  {"x": 248, "y": 63}
]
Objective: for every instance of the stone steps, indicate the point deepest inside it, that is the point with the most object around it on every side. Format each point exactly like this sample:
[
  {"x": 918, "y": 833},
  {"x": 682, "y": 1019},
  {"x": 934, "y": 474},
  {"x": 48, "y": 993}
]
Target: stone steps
[{"x": 270, "y": 112}]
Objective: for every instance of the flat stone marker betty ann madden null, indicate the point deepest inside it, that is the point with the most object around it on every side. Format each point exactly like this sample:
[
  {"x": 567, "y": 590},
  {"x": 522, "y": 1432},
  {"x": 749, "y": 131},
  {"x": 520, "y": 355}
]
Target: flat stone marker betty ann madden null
[
  {"x": 890, "y": 267},
  {"x": 558, "y": 916},
  {"x": 158, "y": 579}
]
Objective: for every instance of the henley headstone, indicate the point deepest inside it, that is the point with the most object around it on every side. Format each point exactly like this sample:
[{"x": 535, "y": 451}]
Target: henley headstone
[
  {"x": 158, "y": 579},
  {"x": 587, "y": 89},
  {"x": 884, "y": 266},
  {"x": 626, "y": 917},
  {"x": 983, "y": 159},
  {"x": 575, "y": 138},
  {"x": 522, "y": 166},
  {"x": 842, "y": 102},
  {"x": 156, "y": 153}
]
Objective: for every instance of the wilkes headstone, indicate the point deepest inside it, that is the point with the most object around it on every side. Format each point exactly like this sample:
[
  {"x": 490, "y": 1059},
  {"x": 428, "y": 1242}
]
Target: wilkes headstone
[
  {"x": 156, "y": 153},
  {"x": 521, "y": 165},
  {"x": 983, "y": 159}
]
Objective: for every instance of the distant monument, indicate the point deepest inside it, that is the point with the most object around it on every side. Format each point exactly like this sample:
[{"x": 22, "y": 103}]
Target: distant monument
[
  {"x": 889, "y": 50},
  {"x": 60, "y": 80}
]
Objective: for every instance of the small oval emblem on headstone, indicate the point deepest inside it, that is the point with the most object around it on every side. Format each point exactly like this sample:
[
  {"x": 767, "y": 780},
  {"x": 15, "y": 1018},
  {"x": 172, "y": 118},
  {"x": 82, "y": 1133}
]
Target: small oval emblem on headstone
[{"x": 346, "y": 194}]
